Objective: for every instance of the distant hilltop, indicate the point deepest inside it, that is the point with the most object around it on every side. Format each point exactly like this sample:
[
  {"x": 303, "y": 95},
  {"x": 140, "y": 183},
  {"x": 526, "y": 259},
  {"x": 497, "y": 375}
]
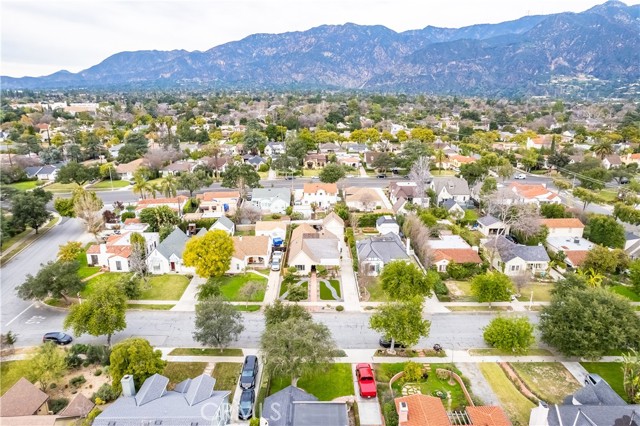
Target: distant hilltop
[{"x": 528, "y": 56}]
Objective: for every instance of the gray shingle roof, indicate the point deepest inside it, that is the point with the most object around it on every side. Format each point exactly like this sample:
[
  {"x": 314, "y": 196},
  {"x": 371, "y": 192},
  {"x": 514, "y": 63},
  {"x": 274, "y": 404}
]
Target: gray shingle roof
[
  {"x": 454, "y": 185},
  {"x": 200, "y": 389},
  {"x": 152, "y": 388},
  {"x": 314, "y": 414},
  {"x": 224, "y": 221},
  {"x": 386, "y": 247},
  {"x": 283, "y": 194},
  {"x": 488, "y": 220},
  {"x": 577, "y": 415},
  {"x": 385, "y": 219},
  {"x": 509, "y": 251},
  {"x": 173, "y": 244},
  {"x": 278, "y": 408},
  {"x": 598, "y": 394}
]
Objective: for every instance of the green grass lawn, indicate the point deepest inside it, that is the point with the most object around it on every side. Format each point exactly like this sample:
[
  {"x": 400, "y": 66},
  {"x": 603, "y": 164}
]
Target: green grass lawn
[
  {"x": 151, "y": 307},
  {"x": 226, "y": 375},
  {"x": 479, "y": 308},
  {"x": 10, "y": 373},
  {"x": 611, "y": 372},
  {"x": 62, "y": 187},
  {"x": 245, "y": 233},
  {"x": 626, "y": 291},
  {"x": 325, "y": 293},
  {"x": 311, "y": 172},
  {"x": 13, "y": 240},
  {"x": 165, "y": 287},
  {"x": 541, "y": 292},
  {"x": 85, "y": 270},
  {"x": 443, "y": 172},
  {"x": 179, "y": 371},
  {"x": 335, "y": 382},
  {"x": 518, "y": 407},
  {"x": 107, "y": 184},
  {"x": 376, "y": 293},
  {"x": 206, "y": 352},
  {"x": 247, "y": 308},
  {"x": 231, "y": 287},
  {"x": 470, "y": 215},
  {"x": 498, "y": 352},
  {"x": 26, "y": 185},
  {"x": 111, "y": 278},
  {"x": 549, "y": 381},
  {"x": 609, "y": 195}
]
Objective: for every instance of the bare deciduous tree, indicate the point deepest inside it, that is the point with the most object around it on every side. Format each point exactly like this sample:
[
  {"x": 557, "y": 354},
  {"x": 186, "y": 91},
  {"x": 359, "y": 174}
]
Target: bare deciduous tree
[
  {"x": 87, "y": 207},
  {"x": 247, "y": 214},
  {"x": 419, "y": 236},
  {"x": 421, "y": 175}
]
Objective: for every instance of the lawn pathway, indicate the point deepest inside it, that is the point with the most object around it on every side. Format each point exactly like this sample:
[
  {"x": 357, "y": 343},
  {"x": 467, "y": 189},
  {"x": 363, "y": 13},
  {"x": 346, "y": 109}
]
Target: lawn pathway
[
  {"x": 209, "y": 368},
  {"x": 313, "y": 287},
  {"x": 188, "y": 299},
  {"x": 577, "y": 370}
]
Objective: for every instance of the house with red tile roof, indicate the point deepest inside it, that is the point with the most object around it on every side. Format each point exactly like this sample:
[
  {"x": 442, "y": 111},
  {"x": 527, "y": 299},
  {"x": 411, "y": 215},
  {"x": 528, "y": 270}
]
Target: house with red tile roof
[
  {"x": 564, "y": 227},
  {"x": 425, "y": 410},
  {"x": 452, "y": 248},
  {"x": 533, "y": 194},
  {"x": 174, "y": 203},
  {"x": 114, "y": 253},
  {"x": 218, "y": 203}
]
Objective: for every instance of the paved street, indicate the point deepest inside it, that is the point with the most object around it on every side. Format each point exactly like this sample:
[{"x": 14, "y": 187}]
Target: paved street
[{"x": 28, "y": 261}]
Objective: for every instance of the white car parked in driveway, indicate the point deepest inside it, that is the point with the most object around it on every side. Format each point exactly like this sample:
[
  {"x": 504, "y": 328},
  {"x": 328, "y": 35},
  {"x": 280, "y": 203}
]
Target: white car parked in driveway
[{"x": 520, "y": 176}]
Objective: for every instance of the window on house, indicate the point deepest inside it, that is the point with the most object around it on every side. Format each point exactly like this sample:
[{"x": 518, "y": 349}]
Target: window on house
[
  {"x": 94, "y": 259},
  {"x": 300, "y": 267},
  {"x": 118, "y": 265},
  {"x": 515, "y": 267},
  {"x": 156, "y": 267}
]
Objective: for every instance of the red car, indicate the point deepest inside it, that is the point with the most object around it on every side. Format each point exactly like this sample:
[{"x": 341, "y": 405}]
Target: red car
[{"x": 366, "y": 382}]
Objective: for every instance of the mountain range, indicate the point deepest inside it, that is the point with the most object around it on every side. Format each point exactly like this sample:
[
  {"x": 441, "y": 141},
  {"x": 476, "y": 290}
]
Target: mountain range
[{"x": 516, "y": 57}]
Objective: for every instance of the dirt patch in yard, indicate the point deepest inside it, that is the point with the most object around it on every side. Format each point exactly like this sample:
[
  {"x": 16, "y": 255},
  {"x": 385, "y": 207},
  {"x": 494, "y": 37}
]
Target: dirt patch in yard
[{"x": 92, "y": 383}]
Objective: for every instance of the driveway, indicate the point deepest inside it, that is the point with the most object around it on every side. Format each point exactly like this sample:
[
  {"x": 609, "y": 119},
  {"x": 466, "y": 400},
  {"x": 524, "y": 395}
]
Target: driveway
[{"x": 368, "y": 409}]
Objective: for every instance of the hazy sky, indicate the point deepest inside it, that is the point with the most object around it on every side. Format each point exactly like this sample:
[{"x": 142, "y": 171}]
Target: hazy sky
[{"x": 43, "y": 36}]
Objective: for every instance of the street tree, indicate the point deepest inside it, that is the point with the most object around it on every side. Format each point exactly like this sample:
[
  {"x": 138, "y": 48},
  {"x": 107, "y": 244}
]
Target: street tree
[
  {"x": 384, "y": 162},
  {"x": 70, "y": 251},
  {"x": 55, "y": 279},
  {"x": 294, "y": 347},
  {"x": 510, "y": 334},
  {"x": 491, "y": 287},
  {"x": 157, "y": 217},
  {"x": 505, "y": 170},
  {"x": 217, "y": 323},
  {"x": 169, "y": 186},
  {"x": 241, "y": 177},
  {"x": 489, "y": 186},
  {"x": 77, "y": 173},
  {"x": 421, "y": 175},
  {"x": 605, "y": 230},
  {"x": 193, "y": 181},
  {"x": 47, "y": 366},
  {"x": 604, "y": 261},
  {"x": 29, "y": 209},
  {"x": 586, "y": 196},
  {"x": 86, "y": 207},
  {"x": 589, "y": 323},
  {"x": 634, "y": 275},
  {"x": 278, "y": 312},
  {"x": 210, "y": 254},
  {"x": 473, "y": 172},
  {"x": 554, "y": 211},
  {"x": 140, "y": 185},
  {"x": 64, "y": 206},
  {"x": 401, "y": 322},
  {"x": 402, "y": 280},
  {"x": 331, "y": 173},
  {"x": 102, "y": 313},
  {"x": 134, "y": 356}
]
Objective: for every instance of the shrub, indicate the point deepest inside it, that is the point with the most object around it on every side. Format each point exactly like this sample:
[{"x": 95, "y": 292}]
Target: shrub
[
  {"x": 321, "y": 270},
  {"x": 105, "y": 393},
  {"x": 77, "y": 381},
  {"x": 412, "y": 372},
  {"x": 57, "y": 404},
  {"x": 297, "y": 293},
  {"x": 368, "y": 220},
  {"x": 98, "y": 354},
  {"x": 98, "y": 372},
  {"x": 254, "y": 422},
  {"x": 209, "y": 289},
  {"x": 275, "y": 216},
  {"x": 442, "y": 374},
  {"x": 127, "y": 215},
  {"x": 339, "y": 308},
  {"x": 461, "y": 271},
  {"x": 53, "y": 385},
  {"x": 390, "y": 414},
  {"x": 73, "y": 361},
  {"x": 440, "y": 289}
]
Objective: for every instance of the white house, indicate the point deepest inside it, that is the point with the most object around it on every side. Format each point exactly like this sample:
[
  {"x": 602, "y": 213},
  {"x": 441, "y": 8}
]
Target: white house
[
  {"x": 250, "y": 251},
  {"x": 387, "y": 224},
  {"x": 167, "y": 256},
  {"x": 515, "y": 259},
  {"x": 224, "y": 224},
  {"x": 271, "y": 200},
  {"x": 489, "y": 225},
  {"x": 451, "y": 188},
  {"x": 363, "y": 199},
  {"x": 565, "y": 227},
  {"x": 127, "y": 170},
  {"x": 310, "y": 247},
  {"x": 272, "y": 229},
  {"x": 114, "y": 253},
  {"x": 274, "y": 148},
  {"x": 322, "y": 195},
  {"x": 48, "y": 172},
  {"x": 452, "y": 248}
]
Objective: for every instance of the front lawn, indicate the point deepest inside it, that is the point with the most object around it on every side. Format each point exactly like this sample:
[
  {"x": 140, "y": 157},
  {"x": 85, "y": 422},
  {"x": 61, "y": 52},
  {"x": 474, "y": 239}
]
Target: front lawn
[
  {"x": 149, "y": 307},
  {"x": 10, "y": 373},
  {"x": 226, "y": 375},
  {"x": 110, "y": 278},
  {"x": 311, "y": 172},
  {"x": 443, "y": 172},
  {"x": 180, "y": 371},
  {"x": 541, "y": 292},
  {"x": 430, "y": 386},
  {"x": 611, "y": 372},
  {"x": 376, "y": 293},
  {"x": 325, "y": 292},
  {"x": 206, "y": 352},
  {"x": 335, "y": 382},
  {"x": 231, "y": 287},
  {"x": 517, "y": 406},
  {"x": 549, "y": 381},
  {"x": 626, "y": 291},
  {"x": 13, "y": 240},
  {"x": 26, "y": 185},
  {"x": 85, "y": 271},
  {"x": 499, "y": 352},
  {"x": 460, "y": 291},
  {"x": 164, "y": 287},
  {"x": 106, "y": 184},
  {"x": 62, "y": 187}
]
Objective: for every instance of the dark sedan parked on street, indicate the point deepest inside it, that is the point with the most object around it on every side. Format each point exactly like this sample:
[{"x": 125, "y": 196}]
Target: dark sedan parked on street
[{"x": 57, "y": 337}]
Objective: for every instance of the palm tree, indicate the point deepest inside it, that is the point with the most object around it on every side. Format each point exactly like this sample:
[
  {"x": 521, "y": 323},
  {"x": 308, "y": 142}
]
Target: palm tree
[
  {"x": 169, "y": 186},
  {"x": 140, "y": 186},
  {"x": 154, "y": 188},
  {"x": 603, "y": 149}
]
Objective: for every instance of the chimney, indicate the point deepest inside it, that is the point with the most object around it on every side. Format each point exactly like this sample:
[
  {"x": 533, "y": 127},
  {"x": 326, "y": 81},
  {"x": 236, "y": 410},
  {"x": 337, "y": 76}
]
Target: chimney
[
  {"x": 192, "y": 229},
  {"x": 403, "y": 412},
  {"x": 408, "y": 247},
  {"x": 474, "y": 248},
  {"x": 576, "y": 240},
  {"x": 128, "y": 386}
]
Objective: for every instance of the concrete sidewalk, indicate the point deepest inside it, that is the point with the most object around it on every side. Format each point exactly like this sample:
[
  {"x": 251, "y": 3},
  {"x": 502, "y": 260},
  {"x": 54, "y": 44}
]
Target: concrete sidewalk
[{"x": 189, "y": 298}]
